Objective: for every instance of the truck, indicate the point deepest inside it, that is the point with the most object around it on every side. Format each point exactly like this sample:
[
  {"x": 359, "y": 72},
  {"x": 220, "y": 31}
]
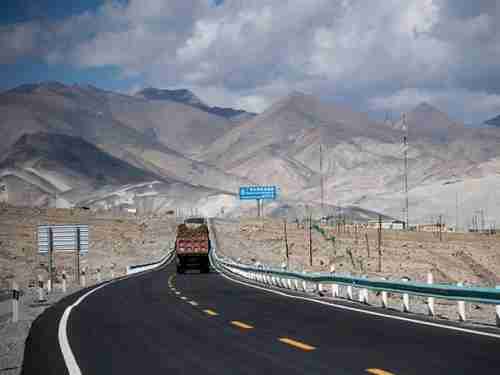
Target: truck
[{"x": 192, "y": 245}]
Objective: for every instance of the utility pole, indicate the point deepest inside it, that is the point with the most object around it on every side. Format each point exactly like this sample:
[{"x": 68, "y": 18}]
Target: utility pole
[
  {"x": 310, "y": 241},
  {"x": 379, "y": 243},
  {"x": 405, "y": 175},
  {"x": 482, "y": 220},
  {"x": 440, "y": 228},
  {"x": 322, "y": 179},
  {"x": 286, "y": 242},
  {"x": 77, "y": 257}
]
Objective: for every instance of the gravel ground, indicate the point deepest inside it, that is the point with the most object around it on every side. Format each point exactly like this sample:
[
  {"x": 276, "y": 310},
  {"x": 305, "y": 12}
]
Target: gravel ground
[
  {"x": 116, "y": 241},
  {"x": 13, "y": 335},
  {"x": 468, "y": 258}
]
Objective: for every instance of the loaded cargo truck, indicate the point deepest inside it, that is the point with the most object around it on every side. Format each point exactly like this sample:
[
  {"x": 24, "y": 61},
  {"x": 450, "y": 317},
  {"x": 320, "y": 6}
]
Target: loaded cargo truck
[{"x": 192, "y": 245}]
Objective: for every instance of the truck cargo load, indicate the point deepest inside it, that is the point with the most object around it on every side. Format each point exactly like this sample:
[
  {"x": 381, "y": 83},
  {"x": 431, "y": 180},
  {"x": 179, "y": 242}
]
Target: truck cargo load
[{"x": 192, "y": 245}]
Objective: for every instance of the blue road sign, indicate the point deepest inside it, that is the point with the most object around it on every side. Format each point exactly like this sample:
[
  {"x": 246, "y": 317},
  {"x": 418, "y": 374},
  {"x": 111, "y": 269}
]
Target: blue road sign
[{"x": 258, "y": 192}]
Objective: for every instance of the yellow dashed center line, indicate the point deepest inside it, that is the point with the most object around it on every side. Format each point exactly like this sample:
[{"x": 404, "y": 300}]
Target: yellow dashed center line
[
  {"x": 210, "y": 312},
  {"x": 296, "y": 344},
  {"x": 378, "y": 371},
  {"x": 241, "y": 324}
]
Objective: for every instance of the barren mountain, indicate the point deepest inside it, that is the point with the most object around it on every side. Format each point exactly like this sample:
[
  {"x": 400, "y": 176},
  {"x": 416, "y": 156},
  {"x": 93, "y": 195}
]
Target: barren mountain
[
  {"x": 362, "y": 161},
  {"x": 151, "y": 135},
  {"x": 104, "y": 117},
  {"x": 55, "y": 163},
  {"x": 286, "y": 124},
  {"x": 42, "y": 167},
  {"x": 56, "y": 108}
]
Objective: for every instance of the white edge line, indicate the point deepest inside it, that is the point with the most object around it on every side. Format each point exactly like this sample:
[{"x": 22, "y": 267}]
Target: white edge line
[
  {"x": 466, "y": 330},
  {"x": 68, "y": 356}
]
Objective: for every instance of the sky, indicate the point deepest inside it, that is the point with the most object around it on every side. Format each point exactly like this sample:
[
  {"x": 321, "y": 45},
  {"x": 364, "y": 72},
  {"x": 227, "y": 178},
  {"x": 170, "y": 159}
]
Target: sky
[{"x": 377, "y": 56}]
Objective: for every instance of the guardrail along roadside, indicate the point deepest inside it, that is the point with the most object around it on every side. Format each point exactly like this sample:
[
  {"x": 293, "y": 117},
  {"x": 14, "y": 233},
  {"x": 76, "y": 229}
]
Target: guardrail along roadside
[{"x": 330, "y": 284}]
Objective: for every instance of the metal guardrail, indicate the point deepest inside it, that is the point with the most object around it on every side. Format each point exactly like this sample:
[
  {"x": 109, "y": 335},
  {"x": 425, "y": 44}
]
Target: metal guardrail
[
  {"x": 148, "y": 266},
  {"x": 441, "y": 291}
]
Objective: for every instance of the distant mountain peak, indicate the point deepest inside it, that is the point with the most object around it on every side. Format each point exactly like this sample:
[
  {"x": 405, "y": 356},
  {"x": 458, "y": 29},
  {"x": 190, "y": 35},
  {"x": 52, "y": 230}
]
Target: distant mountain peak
[
  {"x": 187, "y": 97},
  {"x": 298, "y": 95},
  {"x": 425, "y": 107},
  {"x": 428, "y": 122},
  {"x": 178, "y": 95},
  {"x": 495, "y": 121},
  {"x": 63, "y": 153},
  {"x": 29, "y": 88}
]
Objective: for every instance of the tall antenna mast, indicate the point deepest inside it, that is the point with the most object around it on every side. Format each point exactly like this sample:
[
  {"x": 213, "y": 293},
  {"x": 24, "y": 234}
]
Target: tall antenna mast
[
  {"x": 321, "y": 176},
  {"x": 405, "y": 176}
]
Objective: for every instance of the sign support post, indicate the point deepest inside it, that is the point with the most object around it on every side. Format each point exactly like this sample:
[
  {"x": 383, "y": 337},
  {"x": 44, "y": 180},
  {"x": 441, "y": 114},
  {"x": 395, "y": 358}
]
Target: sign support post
[
  {"x": 51, "y": 261},
  {"x": 77, "y": 257},
  {"x": 258, "y": 194}
]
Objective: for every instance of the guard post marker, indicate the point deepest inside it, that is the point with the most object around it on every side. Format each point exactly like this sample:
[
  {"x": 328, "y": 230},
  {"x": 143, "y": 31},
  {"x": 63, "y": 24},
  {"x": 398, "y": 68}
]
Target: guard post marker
[
  {"x": 40, "y": 289},
  {"x": 64, "y": 285},
  {"x": 365, "y": 296},
  {"x": 349, "y": 293},
  {"x": 15, "y": 302},
  {"x": 335, "y": 290},
  {"x": 406, "y": 298},
  {"x": 430, "y": 300},
  {"x": 384, "y": 297},
  {"x": 335, "y": 287},
  {"x": 99, "y": 279},
  {"x": 83, "y": 279},
  {"x": 461, "y": 308},
  {"x": 361, "y": 296}
]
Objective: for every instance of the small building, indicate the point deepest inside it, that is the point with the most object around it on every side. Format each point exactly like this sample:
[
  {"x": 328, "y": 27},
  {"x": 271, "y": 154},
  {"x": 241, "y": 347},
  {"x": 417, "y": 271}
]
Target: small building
[
  {"x": 433, "y": 228},
  {"x": 387, "y": 224}
]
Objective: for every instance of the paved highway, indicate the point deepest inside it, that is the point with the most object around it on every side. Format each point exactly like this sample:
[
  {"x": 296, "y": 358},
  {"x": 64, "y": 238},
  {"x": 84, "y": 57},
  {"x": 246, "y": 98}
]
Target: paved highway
[{"x": 163, "y": 323}]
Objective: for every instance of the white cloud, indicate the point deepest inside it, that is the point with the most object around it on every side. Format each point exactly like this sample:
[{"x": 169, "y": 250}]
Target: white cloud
[
  {"x": 17, "y": 41},
  {"x": 249, "y": 52}
]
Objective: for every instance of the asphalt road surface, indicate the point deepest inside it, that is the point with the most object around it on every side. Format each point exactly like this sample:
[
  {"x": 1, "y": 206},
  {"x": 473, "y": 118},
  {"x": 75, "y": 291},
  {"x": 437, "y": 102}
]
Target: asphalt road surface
[{"x": 163, "y": 323}]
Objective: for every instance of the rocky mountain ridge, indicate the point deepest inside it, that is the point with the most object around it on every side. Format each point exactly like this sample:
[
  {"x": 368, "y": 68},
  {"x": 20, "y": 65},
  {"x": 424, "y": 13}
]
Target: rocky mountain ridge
[
  {"x": 204, "y": 158},
  {"x": 187, "y": 97}
]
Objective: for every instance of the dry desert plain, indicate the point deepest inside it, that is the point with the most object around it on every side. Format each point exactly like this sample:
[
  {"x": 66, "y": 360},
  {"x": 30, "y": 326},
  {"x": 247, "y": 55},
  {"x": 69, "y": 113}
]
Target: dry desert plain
[{"x": 473, "y": 259}]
